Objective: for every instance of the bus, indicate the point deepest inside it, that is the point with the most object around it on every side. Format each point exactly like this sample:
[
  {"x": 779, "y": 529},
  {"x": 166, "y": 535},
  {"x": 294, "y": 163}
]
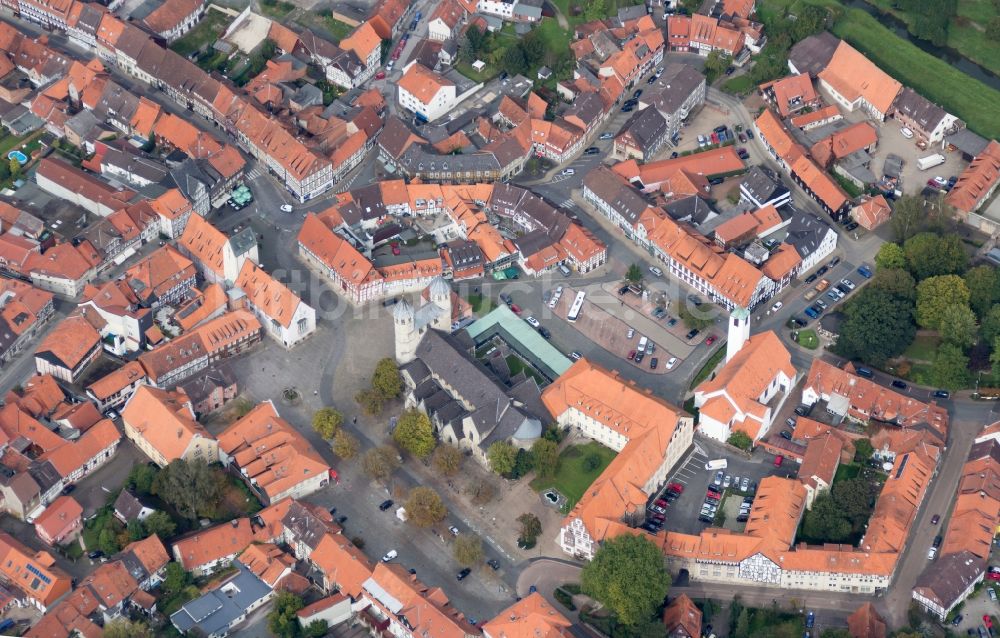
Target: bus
[{"x": 574, "y": 310}]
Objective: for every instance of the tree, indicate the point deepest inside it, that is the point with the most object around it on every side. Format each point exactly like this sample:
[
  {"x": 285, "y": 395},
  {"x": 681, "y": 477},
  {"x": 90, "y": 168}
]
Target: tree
[
  {"x": 993, "y": 28},
  {"x": 876, "y": 327},
  {"x": 380, "y": 462},
  {"x": 984, "y": 288},
  {"x": 513, "y": 59},
  {"x": 476, "y": 40},
  {"x": 907, "y": 217},
  {"x": 370, "y": 402},
  {"x": 896, "y": 282},
  {"x": 989, "y": 328},
  {"x": 835, "y": 632},
  {"x": 345, "y": 445},
  {"x": 107, "y": 541},
  {"x": 531, "y": 527},
  {"x": 596, "y": 10},
  {"x": 327, "y": 422},
  {"x": 824, "y": 522},
  {"x": 854, "y": 499},
  {"x": 958, "y": 326},
  {"x": 741, "y": 440},
  {"x": 175, "y": 579},
  {"x": 633, "y": 274},
  {"x": 386, "y": 381},
  {"x": 125, "y": 628},
  {"x": 161, "y": 524},
  {"x": 995, "y": 361},
  {"x": 545, "y": 456},
  {"x": 628, "y": 576},
  {"x": 415, "y": 433},
  {"x": 468, "y": 550},
  {"x": 283, "y": 620},
  {"x": 716, "y": 64},
  {"x": 424, "y": 507},
  {"x": 316, "y": 629},
  {"x": 4, "y": 170},
  {"x": 447, "y": 459},
  {"x": 890, "y": 255},
  {"x": 935, "y": 294},
  {"x": 863, "y": 450},
  {"x": 482, "y": 491},
  {"x": 15, "y": 168},
  {"x": 192, "y": 487},
  {"x": 695, "y": 319},
  {"x": 930, "y": 255},
  {"x": 951, "y": 368},
  {"x": 742, "y": 624},
  {"x": 502, "y": 456},
  {"x": 140, "y": 478}
]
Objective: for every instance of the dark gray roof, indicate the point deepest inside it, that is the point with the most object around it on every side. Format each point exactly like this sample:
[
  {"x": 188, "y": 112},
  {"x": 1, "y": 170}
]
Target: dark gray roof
[
  {"x": 812, "y": 54},
  {"x": 805, "y": 232},
  {"x": 893, "y": 166},
  {"x": 763, "y": 184},
  {"x": 199, "y": 387},
  {"x": 611, "y": 188},
  {"x": 987, "y": 448},
  {"x": 588, "y": 107},
  {"x": 947, "y": 578},
  {"x": 925, "y": 113},
  {"x": 631, "y": 13},
  {"x": 243, "y": 241},
  {"x": 217, "y": 610},
  {"x": 421, "y": 158},
  {"x": 966, "y": 141},
  {"x": 465, "y": 254},
  {"x": 647, "y": 127},
  {"x": 674, "y": 87},
  {"x": 693, "y": 208},
  {"x": 127, "y": 505},
  {"x": 304, "y": 525},
  {"x": 394, "y": 135}
]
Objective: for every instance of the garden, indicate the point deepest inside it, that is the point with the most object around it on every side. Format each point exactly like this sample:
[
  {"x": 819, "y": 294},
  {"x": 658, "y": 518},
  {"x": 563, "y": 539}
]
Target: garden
[
  {"x": 205, "y": 33},
  {"x": 578, "y": 467}
]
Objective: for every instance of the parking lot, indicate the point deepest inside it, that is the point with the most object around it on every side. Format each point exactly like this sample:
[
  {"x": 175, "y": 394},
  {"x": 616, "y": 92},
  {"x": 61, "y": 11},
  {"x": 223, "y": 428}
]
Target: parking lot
[
  {"x": 794, "y": 297},
  {"x": 682, "y": 513}
]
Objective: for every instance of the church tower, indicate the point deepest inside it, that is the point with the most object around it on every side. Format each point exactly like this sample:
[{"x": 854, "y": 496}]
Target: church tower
[
  {"x": 407, "y": 337},
  {"x": 440, "y": 296},
  {"x": 739, "y": 331}
]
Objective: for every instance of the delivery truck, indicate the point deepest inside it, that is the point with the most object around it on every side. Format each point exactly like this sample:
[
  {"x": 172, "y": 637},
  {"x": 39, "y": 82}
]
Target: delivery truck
[{"x": 930, "y": 161}]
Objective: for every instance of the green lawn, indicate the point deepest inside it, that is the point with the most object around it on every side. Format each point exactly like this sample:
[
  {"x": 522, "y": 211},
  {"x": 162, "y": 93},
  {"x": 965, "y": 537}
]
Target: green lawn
[
  {"x": 935, "y": 79},
  {"x": 846, "y": 472},
  {"x": 741, "y": 85},
  {"x": 338, "y": 30},
  {"x": 516, "y": 366},
  {"x": 207, "y": 32},
  {"x": 709, "y": 365},
  {"x": 566, "y": 7},
  {"x": 480, "y": 303},
  {"x": 276, "y": 9},
  {"x": 808, "y": 339},
  {"x": 923, "y": 348},
  {"x": 9, "y": 142},
  {"x": 573, "y": 476}
]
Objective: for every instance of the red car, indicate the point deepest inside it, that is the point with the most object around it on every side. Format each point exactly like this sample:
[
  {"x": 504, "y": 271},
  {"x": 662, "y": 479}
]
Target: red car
[
  {"x": 380, "y": 75},
  {"x": 778, "y": 460},
  {"x": 987, "y": 621},
  {"x": 711, "y": 339},
  {"x": 631, "y": 355},
  {"x": 516, "y": 309},
  {"x": 992, "y": 575},
  {"x": 661, "y": 502},
  {"x": 676, "y": 487},
  {"x": 395, "y": 249},
  {"x": 713, "y": 496}
]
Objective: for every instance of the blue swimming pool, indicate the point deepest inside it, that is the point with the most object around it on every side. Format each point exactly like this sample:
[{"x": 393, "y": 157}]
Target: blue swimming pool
[{"x": 19, "y": 156}]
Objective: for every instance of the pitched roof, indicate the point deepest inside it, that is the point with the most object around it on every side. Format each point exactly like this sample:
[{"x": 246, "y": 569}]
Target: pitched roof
[
  {"x": 342, "y": 563},
  {"x": 170, "y": 14},
  {"x": 854, "y": 76},
  {"x": 58, "y": 515},
  {"x": 34, "y": 572},
  {"x": 682, "y": 617},
  {"x": 69, "y": 342},
  {"x": 205, "y": 243},
  {"x": 164, "y": 418},
  {"x": 336, "y": 252},
  {"x": 272, "y": 454},
  {"x": 267, "y": 294},
  {"x": 977, "y": 180},
  {"x": 530, "y": 617},
  {"x": 865, "y": 622},
  {"x": 422, "y": 83},
  {"x": 213, "y": 544},
  {"x": 213, "y": 336}
]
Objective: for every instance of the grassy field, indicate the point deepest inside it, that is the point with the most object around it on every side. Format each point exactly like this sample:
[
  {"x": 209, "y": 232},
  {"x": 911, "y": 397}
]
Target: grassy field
[
  {"x": 846, "y": 472},
  {"x": 966, "y": 32},
  {"x": 338, "y": 30},
  {"x": 208, "y": 31},
  {"x": 516, "y": 366},
  {"x": 276, "y": 9},
  {"x": 923, "y": 348},
  {"x": 741, "y": 85},
  {"x": 574, "y": 475},
  {"x": 480, "y": 303},
  {"x": 935, "y": 79},
  {"x": 709, "y": 365},
  {"x": 808, "y": 339}
]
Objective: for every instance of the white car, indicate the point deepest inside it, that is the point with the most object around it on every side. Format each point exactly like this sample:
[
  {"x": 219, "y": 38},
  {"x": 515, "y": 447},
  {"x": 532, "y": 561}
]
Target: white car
[
  {"x": 777, "y": 306},
  {"x": 940, "y": 181},
  {"x": 568, "y": 171},
  {"x": 931, "y": 553},
  {"x": 630, "y": 333},
  {"x": 286, "y": 208},
  {"x": 671, "y": 363},
  {"x": 907, "y": 133},
  {"x": 392, "y": 554},
  {"x": 532, "y": 321},
  {"x": 656, "y": 271},
  {"x": 607, "y": 136},
  {"x": 848, "y": 283},
  {"x": 453, "y": 530}
]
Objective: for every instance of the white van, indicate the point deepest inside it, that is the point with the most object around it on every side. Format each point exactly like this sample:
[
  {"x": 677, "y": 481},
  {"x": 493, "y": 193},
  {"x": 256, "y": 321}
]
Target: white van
[
  {"x": 717, "y": 464},
  {"x": 642, "y": 344}
]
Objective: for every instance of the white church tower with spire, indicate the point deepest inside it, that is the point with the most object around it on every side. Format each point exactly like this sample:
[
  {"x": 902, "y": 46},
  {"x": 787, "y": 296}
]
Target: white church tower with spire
[{"x": 739, "y": 331}]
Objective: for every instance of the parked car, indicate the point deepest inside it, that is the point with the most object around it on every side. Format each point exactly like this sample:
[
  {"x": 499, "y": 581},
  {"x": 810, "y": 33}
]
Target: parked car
[
  {"x": 671, "y": 363},
  {"x": 656, "y": 271},
  {"x": 692, "y": 334},
  {"x": 993, "y": 593},
  {"x": 462, "y": 574},
  {"x": 653, "y": 363},
  {"x": 286, "y": 208},
  {"x": 742, "y": 138},
  {"x": 718, "y": 478},
  {"x": 575, "y": 356},
  {"x": 742, "y": 153},
  {"x": 906, "y": 132},
  {"x": 847, "y": 282},
  {"x": 942, "y": 394},
  {"x": 711, "y": 339},
  {"x": 803, "y": 410},
  {"x": 777, "y": 306},
  {"x": 493, "y": 563},
  {"x": 507, "y": 299},
  {"x": 630, "y": 333},
  {"x": 516, "y": 309},
  {"x": 390, "y": 555},
  {"x": 386, "y": 504},
  {"x": 532, "y": 321},
  {"x": 785, "y": 434},
  {"x": 810, "y": 620},
  {"x": 745, "y": 484},
  {"x": 544, "y": 332},
  {"x": 811, "y": 278},
  {"x": 727, "y": 481},
  {"x": 631, "y": 355},
  {"x": 865, "y": 272},
  {"x": 593, "y": 150},
  {"x": 790, "y": 422},
  {"x": 606, "y": 136},
  {"x": 675, "y": 487},
  {"x": 453, "y": 530},
  {"x": 896, "y": 383},
  {"x": 568, "y": 171},
  {"x": 811, "y": 312}
]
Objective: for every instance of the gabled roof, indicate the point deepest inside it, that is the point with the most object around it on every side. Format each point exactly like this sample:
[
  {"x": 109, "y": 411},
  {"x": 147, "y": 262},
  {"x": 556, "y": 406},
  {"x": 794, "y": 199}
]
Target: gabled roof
[
  {"x": 213, "y": 544},
  {"x": 267, "y": 294},
  {"x": 164, "y": 419},
  {"x": 530, "y": 617},
  {"x": 854, "y": 76}
]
